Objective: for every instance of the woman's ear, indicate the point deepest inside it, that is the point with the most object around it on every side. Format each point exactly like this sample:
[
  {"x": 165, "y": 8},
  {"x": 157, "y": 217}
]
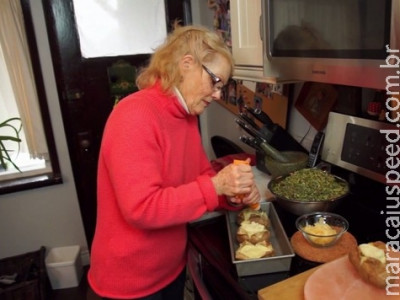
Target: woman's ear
[{"x": 186, "y": 62}]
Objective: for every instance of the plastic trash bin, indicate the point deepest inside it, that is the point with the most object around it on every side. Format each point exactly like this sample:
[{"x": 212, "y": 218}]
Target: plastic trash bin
[{"x": 64, "y": 267}]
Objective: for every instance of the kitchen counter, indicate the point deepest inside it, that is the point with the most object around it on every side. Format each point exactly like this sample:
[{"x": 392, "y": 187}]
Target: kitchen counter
[
  {"x": 209, "y": 237},
  {"x": 289, "y": 289}
]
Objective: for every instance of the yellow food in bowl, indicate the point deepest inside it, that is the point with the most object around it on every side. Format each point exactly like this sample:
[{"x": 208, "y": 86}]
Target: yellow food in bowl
[{"x": 320, "y": 233}]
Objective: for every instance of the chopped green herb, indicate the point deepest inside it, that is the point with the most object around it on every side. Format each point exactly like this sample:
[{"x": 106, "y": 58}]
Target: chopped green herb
[{"x": 310, "y": 185}]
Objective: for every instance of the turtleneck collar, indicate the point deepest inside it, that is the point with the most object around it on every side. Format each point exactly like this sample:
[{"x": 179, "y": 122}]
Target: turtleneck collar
[{"x": 180, "y": 99}]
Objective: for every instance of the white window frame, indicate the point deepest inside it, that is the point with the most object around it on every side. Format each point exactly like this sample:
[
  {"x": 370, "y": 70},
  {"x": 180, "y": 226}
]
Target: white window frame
[{"x": 34, "y": 170}]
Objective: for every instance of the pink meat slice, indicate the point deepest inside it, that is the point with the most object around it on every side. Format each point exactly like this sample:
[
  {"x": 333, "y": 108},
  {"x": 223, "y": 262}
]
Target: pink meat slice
[{"x": 338, "y": 279}]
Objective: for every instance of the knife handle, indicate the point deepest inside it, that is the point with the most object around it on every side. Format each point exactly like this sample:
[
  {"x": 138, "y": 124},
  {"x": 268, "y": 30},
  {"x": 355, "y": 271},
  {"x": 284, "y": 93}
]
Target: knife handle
[
  {"x": 254, "y": 133},
  {"x": 250, "y": 142},
  {"x": 260, "y": 116},
  {"x": 249, "y": 120}
]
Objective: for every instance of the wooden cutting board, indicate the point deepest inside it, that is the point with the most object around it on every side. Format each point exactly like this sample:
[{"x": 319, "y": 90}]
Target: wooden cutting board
[
  {"x": 289, "y": 289},
  {"x": 343, "y": 282}
]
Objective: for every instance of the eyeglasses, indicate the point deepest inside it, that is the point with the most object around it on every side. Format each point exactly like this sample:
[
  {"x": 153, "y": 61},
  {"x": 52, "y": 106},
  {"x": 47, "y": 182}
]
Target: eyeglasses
[{"x": 215, "y": 79}]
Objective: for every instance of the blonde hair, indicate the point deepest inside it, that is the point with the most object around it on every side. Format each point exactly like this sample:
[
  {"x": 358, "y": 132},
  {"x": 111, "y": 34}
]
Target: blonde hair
[{"x": 200, "y": 42}]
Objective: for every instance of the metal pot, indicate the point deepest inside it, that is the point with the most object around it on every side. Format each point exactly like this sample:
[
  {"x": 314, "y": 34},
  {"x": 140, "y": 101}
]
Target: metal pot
[{"x": 298, "y": 207}]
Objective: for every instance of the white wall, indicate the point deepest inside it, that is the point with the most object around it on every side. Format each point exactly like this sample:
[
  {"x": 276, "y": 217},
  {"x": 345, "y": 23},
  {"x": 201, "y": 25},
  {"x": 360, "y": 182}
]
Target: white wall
[
  {"x": 217, "y": 120},
  {"x": 298, "y": 126},
  {"x": 48, "y": 216}
]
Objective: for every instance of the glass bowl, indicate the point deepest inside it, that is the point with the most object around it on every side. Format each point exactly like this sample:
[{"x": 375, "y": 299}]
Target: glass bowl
[{"x": 322, "y": 229}]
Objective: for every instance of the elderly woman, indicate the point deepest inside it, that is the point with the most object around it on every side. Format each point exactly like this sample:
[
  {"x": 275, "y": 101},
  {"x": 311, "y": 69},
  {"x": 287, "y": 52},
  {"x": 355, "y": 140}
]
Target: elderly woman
[{"x": 154, "y": 176}]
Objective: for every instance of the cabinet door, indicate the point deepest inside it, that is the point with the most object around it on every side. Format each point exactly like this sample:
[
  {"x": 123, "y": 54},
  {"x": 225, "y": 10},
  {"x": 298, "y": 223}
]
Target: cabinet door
[{"x": 246, "y": 36}]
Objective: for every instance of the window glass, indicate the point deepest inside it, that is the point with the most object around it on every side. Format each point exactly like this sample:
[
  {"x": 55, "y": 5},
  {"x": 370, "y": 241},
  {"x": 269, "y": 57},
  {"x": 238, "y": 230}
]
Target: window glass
[
  {"x": 105, "y": 27},
  {"x": 26, "y": 160}
]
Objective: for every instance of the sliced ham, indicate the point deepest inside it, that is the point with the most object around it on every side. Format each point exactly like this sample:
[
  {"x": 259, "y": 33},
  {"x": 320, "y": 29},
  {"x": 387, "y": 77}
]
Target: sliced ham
[{"x": 339, "y": 280}]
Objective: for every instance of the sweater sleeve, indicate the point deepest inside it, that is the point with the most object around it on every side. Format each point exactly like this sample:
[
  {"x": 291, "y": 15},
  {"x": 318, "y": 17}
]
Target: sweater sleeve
[{"x": 207, "y": 188}]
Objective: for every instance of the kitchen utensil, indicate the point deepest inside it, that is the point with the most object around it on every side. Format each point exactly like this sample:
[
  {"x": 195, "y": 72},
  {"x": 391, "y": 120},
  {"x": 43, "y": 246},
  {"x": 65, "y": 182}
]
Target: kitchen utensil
[
  {"x": 249, "y": 120},
  {"x": 322, "y": 229},
  {"x": 260, "y": 116},
  {"x": 268, "y": 149},
  {"x": 269, "y": 128},
  {"x": 250, "y": 130},
  {"x": 274, "y": 154},
  {"x": 266, "y": 130},
  {"x": 250, "y": 142},
  {"x": 299, "y": 207},
  {"x": 296, "y": 160},
  {"x": 255, "y": 206}
]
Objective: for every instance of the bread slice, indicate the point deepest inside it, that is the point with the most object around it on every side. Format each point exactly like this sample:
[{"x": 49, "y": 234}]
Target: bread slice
[
  {"x": 248, "y": 250},
  {"x": 249, "y": 214},
  {"x": 252, "y": 232}
]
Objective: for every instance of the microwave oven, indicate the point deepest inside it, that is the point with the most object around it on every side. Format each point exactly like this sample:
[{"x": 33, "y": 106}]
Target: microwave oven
[{"x": 346, "y": 42}]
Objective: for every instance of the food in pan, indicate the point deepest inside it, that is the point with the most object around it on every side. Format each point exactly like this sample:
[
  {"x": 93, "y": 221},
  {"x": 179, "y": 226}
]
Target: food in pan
[
  {"x": 249, "y": 214},
  {"x": 310, "y": 184},
  {"x": 369, "y": 259},
  {"x": 253, "y": 235},
  {"x": 252, "y": 232},
  {"x": 248, "y": 250}
]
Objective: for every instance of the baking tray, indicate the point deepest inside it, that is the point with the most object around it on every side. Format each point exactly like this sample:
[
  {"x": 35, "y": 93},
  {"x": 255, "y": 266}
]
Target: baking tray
[{"x": 283, "y": 250}]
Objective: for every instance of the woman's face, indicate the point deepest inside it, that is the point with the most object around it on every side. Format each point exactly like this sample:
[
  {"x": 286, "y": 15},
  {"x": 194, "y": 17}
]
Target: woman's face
[{"x": 201, "y": 84}]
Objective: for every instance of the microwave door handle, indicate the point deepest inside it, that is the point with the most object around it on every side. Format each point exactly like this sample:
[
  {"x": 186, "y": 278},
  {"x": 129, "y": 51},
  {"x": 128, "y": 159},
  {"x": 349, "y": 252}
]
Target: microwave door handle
[{"x": 266, "y": 9}]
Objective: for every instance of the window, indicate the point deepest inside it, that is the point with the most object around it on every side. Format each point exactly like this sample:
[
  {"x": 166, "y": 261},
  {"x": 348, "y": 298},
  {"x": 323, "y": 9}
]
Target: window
[
  {"x": 105, "y": 27},
  {"x": 22, "y": 96}
]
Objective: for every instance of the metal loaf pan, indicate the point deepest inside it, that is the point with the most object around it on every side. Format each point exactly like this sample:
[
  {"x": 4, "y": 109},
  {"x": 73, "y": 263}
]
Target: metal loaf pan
[{"x": 283, "y": 250}]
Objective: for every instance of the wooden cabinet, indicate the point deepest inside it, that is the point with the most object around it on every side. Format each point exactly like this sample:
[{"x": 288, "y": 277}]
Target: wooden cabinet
[
  {"x": 246, "y": 38},
  {"x": 247, "y": 45}
]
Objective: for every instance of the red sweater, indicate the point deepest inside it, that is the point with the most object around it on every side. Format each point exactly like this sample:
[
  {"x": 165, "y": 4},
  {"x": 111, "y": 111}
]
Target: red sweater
[{"x": 153, "y": 178}]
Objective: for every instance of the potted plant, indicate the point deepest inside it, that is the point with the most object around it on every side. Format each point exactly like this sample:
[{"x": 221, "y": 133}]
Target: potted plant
[{"x": 9, "y": 132}]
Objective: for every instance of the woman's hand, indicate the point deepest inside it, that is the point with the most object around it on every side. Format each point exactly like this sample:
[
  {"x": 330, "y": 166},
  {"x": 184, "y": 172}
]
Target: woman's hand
[
  {"x": 237, "y": 182},
  {"x": 247, "y": 199}
]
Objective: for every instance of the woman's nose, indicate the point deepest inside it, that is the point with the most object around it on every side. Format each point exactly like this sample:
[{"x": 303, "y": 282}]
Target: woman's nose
[{"x": 216, "y": 94}]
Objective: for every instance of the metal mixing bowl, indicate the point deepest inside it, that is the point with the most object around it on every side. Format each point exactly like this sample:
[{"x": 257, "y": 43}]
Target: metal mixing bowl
[{"x": 299, "y": 207}]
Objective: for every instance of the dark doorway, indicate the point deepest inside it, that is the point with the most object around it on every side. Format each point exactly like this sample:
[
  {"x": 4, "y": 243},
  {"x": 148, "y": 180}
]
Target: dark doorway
[{"x": 85, "y": 98}]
